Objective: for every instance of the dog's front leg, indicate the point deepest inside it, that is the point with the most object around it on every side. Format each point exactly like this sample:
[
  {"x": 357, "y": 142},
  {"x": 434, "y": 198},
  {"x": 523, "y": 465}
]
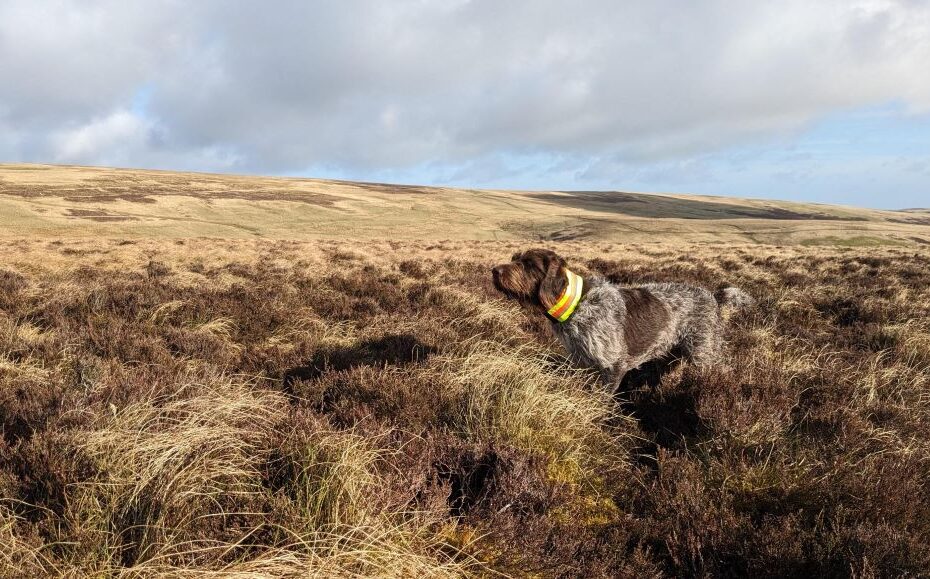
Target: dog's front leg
[{"x": 610, "y": 377}]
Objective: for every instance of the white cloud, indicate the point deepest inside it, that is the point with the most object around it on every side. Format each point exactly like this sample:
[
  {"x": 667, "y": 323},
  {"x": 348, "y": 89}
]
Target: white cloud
[
  {"x": 367, "y": 86},
  {"x": 113, "y": 138}
]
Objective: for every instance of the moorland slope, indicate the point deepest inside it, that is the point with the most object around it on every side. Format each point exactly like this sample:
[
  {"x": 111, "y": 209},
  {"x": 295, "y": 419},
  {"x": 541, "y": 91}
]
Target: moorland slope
[{"x": 72, "y": 201}]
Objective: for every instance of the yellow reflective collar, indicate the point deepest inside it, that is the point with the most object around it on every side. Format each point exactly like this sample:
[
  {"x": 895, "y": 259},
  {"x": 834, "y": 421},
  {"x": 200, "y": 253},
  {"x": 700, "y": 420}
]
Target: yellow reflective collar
[{"x": 565, "y": 306}]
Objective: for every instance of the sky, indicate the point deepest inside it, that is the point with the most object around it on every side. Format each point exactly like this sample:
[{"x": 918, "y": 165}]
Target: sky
[{"x": 813, "y": 100}]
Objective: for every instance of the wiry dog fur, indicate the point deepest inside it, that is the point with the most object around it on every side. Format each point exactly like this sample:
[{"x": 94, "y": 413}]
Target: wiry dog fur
[{"x": 616, "y": 329}]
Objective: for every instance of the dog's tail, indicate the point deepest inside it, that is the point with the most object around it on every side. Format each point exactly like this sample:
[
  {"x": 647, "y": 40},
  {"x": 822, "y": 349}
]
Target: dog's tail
[{"x": 733, "y": 298}]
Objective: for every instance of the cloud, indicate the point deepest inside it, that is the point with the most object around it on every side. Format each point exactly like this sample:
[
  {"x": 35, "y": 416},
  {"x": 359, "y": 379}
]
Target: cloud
[
  {"x": 120, "y": 131},
  {"x": 367, "y": 87}
]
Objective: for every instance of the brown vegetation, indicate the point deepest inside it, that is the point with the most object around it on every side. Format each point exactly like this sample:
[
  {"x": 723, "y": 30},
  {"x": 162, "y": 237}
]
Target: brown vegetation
[
  {"x": 92, "y": 202},
  {"x": 250, "y": 408}
]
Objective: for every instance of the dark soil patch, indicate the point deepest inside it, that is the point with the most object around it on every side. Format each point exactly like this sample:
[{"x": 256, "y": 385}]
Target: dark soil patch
[
  {"x": 658, "y": 206},
  {"x": 96, "y": 215},
  {"x": 136, "y": 190},
  {"x": 393, "y": 189}
]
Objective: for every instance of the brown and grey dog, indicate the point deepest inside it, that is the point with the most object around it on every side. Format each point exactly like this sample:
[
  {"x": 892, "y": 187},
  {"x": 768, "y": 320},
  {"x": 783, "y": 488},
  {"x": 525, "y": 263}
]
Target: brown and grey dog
[{"x": 615, "y": 329}]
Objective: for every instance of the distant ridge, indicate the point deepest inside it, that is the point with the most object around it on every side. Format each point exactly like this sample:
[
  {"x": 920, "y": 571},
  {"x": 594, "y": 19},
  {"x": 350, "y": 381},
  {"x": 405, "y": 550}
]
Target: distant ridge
[{"x": 63, "y": 201}]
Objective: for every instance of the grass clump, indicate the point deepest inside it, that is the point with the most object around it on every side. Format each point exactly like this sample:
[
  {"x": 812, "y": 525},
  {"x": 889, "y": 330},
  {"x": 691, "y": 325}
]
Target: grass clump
[
  {"x": 285, "y": 409},
  {"x": 521, "y": 396}
]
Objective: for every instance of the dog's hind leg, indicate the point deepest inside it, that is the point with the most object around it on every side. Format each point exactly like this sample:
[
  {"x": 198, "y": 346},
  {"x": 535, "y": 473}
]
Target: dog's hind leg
[{"x": 704, "y": 346}]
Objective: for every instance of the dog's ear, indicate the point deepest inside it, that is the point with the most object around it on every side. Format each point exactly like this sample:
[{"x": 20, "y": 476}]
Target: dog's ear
[{"x": 554, "y": 282}]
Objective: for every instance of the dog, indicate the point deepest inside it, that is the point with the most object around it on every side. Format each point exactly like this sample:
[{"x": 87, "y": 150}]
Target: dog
[{"x": 615, "y": 329}]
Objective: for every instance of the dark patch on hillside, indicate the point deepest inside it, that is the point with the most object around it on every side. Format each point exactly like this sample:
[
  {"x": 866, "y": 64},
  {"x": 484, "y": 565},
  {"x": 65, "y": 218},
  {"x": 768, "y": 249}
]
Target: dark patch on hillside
[
  {"x": 911, "y": 220},
  {"x": 144, "y": 190},
  {"x": 390, "y": 188},
  {"x": 100, "y": 216},
  {"x": 657, "y": 206}
]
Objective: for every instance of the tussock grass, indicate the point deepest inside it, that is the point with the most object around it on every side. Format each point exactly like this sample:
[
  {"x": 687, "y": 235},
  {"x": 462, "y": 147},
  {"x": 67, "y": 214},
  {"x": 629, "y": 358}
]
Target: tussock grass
[
  {"x": 523, "y": 397},
  {"x": 19, "y": 557},
  {"x": 289, "y": 409},
  {"x": 167, "y": 467}
]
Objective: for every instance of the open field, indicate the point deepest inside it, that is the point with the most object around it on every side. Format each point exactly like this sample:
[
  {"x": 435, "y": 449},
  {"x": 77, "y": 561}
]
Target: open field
[
  {"x": 244, "y": 377},
  {"x": 90, "y": 202},
  {"x": 283, "y": 408}
]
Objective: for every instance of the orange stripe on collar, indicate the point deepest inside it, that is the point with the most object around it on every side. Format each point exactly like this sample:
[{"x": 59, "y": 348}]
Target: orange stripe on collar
[{"x": 565, "y": 306}]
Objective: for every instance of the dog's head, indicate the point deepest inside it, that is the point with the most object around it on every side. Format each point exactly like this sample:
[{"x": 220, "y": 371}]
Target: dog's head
[{"x": 535, "y": 277}]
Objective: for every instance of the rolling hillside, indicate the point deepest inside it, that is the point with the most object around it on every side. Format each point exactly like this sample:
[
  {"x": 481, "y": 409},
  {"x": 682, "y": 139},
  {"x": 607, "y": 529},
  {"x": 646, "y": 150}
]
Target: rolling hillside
[
  {"x": 46, "y": 200},
  {"x": 223, "y": 376}
]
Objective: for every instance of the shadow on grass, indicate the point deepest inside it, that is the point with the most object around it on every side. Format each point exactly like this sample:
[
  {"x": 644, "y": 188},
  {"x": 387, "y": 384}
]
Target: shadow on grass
[
  {"x": 390, "y": 350},
  {"x": 667, "y": 415}
]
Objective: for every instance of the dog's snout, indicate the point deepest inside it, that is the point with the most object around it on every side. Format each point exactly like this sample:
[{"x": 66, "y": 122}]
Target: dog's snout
[{"x": 496, "y": 270}]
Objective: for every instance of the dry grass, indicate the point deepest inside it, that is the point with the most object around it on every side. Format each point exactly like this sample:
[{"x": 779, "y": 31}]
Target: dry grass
[
  {"x": 53, "y": 201},
  {"x": 254, "y": 408}
]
